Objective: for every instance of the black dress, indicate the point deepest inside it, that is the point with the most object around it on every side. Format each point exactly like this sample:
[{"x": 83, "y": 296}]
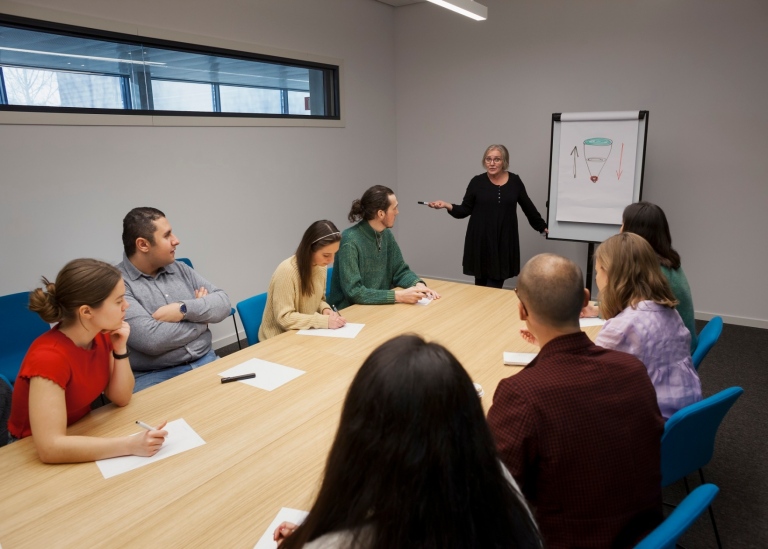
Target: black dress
[{"x": 492, "y": 244}]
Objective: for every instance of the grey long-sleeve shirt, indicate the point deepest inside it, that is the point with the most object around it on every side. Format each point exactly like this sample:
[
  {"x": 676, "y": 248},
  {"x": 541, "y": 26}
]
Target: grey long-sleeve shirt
[{"x": 155, "y": 345}]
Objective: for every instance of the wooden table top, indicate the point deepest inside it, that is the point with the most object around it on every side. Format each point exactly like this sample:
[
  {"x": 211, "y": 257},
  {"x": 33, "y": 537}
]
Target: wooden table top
[{"x": 264, "y": 449}]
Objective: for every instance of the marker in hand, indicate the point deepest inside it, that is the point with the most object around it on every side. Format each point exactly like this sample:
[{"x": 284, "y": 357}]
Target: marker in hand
[
  {"x": 423, "y": 202},
  {"x": 238, "y": 378}
]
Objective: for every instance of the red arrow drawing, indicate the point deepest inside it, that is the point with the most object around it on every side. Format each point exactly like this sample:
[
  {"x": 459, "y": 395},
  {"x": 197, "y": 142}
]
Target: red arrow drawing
[{"x": 618, "y": 173}]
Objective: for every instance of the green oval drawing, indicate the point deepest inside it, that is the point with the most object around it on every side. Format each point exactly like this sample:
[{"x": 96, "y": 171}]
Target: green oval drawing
[{"x": 599, "y": 141}]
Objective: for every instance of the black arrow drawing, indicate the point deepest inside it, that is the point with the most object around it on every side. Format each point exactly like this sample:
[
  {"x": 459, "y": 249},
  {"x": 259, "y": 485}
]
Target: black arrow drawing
[{"x": 575, "y": 150}]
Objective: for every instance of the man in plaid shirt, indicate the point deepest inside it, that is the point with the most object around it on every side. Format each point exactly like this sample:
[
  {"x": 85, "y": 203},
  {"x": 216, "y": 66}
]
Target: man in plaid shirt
[{"x": 579, "y": 428}]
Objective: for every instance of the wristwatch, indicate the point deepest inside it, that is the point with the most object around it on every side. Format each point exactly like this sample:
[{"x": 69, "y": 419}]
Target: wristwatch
[{"x": 183, "y": 309}]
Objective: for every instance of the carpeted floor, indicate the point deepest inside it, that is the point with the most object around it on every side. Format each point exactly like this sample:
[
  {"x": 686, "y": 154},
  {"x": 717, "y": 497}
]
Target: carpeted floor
[{"x": 740, "y": 464}]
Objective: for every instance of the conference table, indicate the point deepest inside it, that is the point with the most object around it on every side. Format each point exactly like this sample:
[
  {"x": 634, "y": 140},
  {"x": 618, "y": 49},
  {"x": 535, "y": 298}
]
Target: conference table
[{"x": 263, "y": 449}]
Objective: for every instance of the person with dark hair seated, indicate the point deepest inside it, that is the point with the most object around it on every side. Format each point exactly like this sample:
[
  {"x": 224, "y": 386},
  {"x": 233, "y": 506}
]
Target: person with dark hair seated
[
  {"x": 579, "y": 427},
  {"x": 171, "y": 304},
  {"x": 648, "y": 220},
  {"x": 296, "y": 296},
  {"x": 369, "y": 264},
  {"x": 413, "y": 463}
]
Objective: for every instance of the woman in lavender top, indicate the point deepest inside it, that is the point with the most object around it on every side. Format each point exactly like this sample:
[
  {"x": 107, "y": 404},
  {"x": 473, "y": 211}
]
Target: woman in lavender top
[{"x": 639, "y": 306}]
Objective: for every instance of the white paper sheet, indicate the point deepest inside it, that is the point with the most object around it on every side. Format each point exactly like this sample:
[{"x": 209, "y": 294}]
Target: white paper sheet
[
  {"x": 518, "y": 359},
  {"x": 349, "y": 331},
  {"x": 269, "y": 376},
  {"x": 591, "y": 321},
  {"x": 181, "y": 437},
  {"x": 286, "y": 514}
]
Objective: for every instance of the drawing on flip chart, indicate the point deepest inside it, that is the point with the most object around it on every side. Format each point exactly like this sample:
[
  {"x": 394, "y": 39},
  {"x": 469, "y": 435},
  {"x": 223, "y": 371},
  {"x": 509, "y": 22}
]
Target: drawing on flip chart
[
  {"x": 596, "y": 153},
  {"x": 596, "y": 166},
  {"x": 575, "y": 154}
]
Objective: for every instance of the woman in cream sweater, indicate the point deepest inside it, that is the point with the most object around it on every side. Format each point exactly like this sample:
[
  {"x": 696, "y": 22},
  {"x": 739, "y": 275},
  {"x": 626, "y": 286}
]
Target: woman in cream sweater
[{"x": 296, "y": 295}]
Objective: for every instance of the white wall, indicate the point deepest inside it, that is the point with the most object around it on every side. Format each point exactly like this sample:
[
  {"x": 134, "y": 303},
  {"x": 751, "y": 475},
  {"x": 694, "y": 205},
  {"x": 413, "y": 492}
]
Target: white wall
[
  {"x": 239, "y": 199},
  {"x": 698, "y": 66}
]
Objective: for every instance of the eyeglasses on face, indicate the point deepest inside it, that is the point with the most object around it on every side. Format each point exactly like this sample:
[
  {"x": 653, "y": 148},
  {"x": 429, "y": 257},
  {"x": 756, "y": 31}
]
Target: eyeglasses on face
[{"x": 494, "y": 160}]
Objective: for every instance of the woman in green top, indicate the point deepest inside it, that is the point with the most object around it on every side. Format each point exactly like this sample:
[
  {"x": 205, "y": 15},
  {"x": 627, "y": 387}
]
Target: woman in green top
[{"x": 648, "y": 220}]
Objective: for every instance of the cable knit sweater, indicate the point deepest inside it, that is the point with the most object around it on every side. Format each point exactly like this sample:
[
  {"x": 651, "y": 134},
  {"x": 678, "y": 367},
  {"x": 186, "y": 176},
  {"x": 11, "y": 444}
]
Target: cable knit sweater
[{"x": 287, "y": 309}]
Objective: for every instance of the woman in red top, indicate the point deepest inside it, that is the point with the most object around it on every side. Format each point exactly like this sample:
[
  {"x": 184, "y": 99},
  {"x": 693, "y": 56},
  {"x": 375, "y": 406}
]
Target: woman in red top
[{"x": 69, "y": 366}]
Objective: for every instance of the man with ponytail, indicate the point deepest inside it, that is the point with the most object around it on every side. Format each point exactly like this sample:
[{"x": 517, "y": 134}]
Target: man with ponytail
[
  {"x": 171, "y": 304},
  {"x": 369, "y": 264}
]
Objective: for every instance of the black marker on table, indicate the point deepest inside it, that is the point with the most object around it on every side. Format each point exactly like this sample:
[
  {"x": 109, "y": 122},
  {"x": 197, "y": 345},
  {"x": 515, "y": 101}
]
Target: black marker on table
[{"x": 237, "y": 378}]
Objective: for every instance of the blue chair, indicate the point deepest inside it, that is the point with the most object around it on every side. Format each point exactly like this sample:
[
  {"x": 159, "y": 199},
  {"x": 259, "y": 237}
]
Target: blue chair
[
  {"x": 328, "y": 275},
  {"x": 665, "y": 535},
  {"x": 688, "y": 441},
  {"x": 19, "y": 327},
  {"x": 251, "y": 312},
  {"x": 707, "y": 339},
  {"x": 6, "y": 394},
  {"x": 188, "y": 262}
]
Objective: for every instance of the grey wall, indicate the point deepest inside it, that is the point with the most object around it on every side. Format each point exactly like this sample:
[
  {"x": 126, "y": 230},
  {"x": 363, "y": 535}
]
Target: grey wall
[
  {"x": 698, "y": 66},
  {"x": 239, "y": 199},
  {"x": 426, "y": 90}
]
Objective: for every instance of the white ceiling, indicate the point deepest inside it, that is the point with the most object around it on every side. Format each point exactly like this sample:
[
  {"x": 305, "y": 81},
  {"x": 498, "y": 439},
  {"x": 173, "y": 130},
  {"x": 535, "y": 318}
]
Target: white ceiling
[{"x": 400, "y": 2}]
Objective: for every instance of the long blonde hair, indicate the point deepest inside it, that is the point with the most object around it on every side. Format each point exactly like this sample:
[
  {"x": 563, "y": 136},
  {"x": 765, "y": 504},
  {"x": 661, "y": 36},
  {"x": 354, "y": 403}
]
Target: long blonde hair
[{"x": 633, "y": 275}]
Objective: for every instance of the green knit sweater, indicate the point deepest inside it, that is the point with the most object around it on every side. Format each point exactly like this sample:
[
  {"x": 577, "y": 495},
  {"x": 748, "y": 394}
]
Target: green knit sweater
[
  {"x": 367, "y": 268},
  {"x": 682, "y": 291}
]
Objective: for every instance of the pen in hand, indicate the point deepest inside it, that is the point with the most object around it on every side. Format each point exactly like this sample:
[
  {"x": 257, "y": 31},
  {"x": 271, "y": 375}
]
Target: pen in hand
[
  {"x": 145, "y": 426},
  {"x": 238, "y": 378}
]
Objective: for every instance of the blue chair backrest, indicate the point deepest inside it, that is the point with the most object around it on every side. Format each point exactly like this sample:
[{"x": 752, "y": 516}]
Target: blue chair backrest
[
  {"x": 665, "y": 535},
  {"x": 688, "y": 441},
  {"x": 707, "y": 339},
  {"x": 251, "y": 312},
  {"x": 328, "y": 275},
  {"x": 19, "y": 327},
  {"x": 188, "y": 262}
]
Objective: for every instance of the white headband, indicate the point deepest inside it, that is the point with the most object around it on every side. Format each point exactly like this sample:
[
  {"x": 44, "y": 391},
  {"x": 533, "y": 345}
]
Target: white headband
[{"x": 326, "y": 236}]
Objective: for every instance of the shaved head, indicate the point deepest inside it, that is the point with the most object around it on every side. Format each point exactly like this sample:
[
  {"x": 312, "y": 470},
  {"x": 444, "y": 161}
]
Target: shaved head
[{"x": 552, "y": 288}]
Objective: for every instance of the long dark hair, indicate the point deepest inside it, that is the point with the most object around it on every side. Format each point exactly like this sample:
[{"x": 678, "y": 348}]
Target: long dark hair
[
  {"x": 648, "y": 220},
  {"x": 414, "y": 463},
  {"x": 374, "y": 199},
  {"x": 318, "y": 235}
]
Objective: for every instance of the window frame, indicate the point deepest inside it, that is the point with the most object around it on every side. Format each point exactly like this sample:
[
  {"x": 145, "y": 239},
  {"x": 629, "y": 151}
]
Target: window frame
[{"x": 23, "y": 114}]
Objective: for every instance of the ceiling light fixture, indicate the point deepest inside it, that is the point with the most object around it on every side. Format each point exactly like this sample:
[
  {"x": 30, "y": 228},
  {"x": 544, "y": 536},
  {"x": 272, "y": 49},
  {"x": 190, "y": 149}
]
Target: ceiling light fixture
[{"x": 471, "y": 9}]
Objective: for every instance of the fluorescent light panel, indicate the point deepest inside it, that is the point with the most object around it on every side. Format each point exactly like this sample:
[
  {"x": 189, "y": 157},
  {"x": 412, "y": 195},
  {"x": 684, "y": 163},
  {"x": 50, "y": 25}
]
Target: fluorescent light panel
[{"x": 471, "y": 9}]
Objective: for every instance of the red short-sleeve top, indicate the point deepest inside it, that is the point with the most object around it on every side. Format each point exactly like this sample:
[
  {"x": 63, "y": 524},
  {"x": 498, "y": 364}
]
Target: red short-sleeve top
[{"x": 82, "y": 373}]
